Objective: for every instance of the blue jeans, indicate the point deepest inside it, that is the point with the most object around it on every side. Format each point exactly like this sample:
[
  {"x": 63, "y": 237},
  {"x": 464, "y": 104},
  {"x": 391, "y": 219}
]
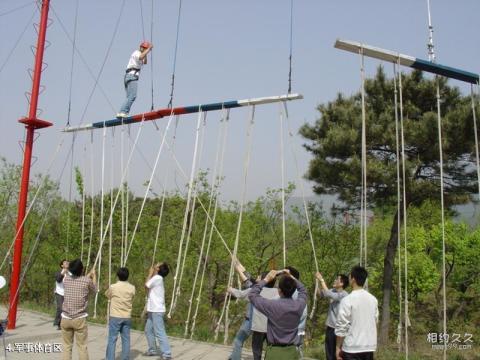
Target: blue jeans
[
  {"x": 242, "y": 335},
  {"x": 118, "y": 325},
  {"x": 155, "y": 330},
  {"x": 131, "y": 82}
]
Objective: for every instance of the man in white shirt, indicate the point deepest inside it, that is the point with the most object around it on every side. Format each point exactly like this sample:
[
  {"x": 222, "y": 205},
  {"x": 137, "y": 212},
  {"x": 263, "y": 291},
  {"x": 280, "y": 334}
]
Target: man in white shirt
[
  {"x": 137, "y": 60},
  {"x": 60, "y": 292},
  {"x": 155, "y": 327},
  {"x": 356, "y": 326}
]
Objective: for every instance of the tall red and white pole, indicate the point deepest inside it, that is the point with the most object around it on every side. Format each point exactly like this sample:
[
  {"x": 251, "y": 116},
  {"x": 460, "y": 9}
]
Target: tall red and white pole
[{"x": 31, "y": 124}]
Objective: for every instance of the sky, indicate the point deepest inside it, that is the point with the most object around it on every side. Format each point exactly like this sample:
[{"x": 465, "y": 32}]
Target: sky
[{"x": 227, "y": 50}]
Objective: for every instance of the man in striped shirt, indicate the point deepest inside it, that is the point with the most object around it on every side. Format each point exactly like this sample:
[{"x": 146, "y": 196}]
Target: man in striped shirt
[{"x": 74, "y": 310}]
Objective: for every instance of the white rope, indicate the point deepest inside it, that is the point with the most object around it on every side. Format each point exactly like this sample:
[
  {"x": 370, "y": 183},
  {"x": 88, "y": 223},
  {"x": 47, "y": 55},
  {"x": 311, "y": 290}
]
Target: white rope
[
  {"x": 218, "y": 180},
  {"x": 226, "y": 303},
  {"x": 185, "y": 216},
  {"x": 399, "y": 209},
  {"x": 147, "y": 190},
  {"x": 192, "y": 214},
  {"x": 122, "y": 189},
  {"x": 121, "y": 182},
  {"x": 34, "y": 199},
  {"x": 475, "y": 130},
  {"x": 83, "y": 199},
  {"x": 102, "y": 194},
  {"x": 92, "y": 192},
  {"x": 112, "y": 174},
  {"x": 405, "y": 252},
  {"x": 442, "y": 205},
  {"x": 363, "y": 211},
  {"x": 205, "y": 229},
  {"x": 305, "y": 206},
  {"x": 282, "y": 170}
]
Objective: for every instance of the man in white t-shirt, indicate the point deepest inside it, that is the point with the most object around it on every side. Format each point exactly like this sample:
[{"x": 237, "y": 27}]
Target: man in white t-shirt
[
  {"x": 60, "y": 292},
  {"x": 155, "y": 327},
  {"x": 137, "y": 60},
  {"x": 356, "y": 325}
]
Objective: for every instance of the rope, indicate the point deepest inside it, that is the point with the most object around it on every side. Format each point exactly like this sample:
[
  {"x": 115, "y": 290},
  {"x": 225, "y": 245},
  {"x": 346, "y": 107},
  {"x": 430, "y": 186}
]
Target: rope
[
  {"x": 121, "y": 182},
  {"x": 72, "y": 64},
  {"x": 84, "y": 62},
  {"x": 442, "y": 204},
  {"x": 226, "y": 303},
  {"x": 83, "y": 200},
  {"x": 17, "y": 8},
  {"x": 147, "y": 190},
  {"x": 10, "y": 53},
  {"x": 92, "y": 190},
  {"x": 192, "y": 213},
  {"x": 104, "y": 60},
  {"x": 305, "y": 206},
  {"x": 399, "y": 209},
  {"x": 34, "y": 199},
  {"x": 122, "y": 189},
  {"x": 70, "y": 195},
  {"x": 291, "y": 47},
  {"x": 282, "y": 170},
  {"x": 363, "y": 201},
  {"x": 213, "y": 184},
  {"x": 405, "y": 255},
  {"x": 475, "y": 130},
  {"x": 185, "y": 216},
  {"x": 102, "y": 200},
  {"x": 170, "y": 103},
  {"x": 141, "y": 16},
  {"x": 151, "y": 55}
]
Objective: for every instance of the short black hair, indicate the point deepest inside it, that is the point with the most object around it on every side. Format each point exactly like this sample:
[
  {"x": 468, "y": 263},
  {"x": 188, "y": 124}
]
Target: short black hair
[
  {"x": 76, "y": 267},
  {"x": 163, "y": 269},
  {"x": 270, "y": 284},
  {"x": 344, "y": 280},
  {"x": 287, "y": 285},
  {"x": 61, "y": 262},
  {"x": 360, "y": 275},
  {"x": 122, "y": 274},
  {"x": 294, "y": 272}
]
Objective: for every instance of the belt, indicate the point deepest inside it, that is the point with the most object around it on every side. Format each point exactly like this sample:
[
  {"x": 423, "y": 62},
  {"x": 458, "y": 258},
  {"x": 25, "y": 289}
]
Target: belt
[
  {"x": 134, "y": 70},
  {"x": 281, "y": 345}
]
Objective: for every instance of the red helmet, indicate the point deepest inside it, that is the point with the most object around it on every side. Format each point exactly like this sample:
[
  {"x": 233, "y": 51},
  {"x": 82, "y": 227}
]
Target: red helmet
[{"x": 145, "y": 44}]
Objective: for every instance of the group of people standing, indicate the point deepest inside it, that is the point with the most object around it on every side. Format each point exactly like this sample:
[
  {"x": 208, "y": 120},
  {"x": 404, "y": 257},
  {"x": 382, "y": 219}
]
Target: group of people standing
[
  {"x": 278, "y": 315},
  {"x": 72, "y": 289}
]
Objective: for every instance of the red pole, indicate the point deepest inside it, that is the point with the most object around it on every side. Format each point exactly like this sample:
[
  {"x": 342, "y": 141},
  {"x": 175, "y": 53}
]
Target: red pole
[{"x": 31, "y": 124}]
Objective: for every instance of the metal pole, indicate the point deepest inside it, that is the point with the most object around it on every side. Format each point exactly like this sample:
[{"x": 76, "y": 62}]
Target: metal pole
[{"x": 31, "y": 124}]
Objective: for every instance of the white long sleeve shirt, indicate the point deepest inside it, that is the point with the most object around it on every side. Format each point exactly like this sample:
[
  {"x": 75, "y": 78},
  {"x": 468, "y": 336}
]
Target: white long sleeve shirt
[{"x": 357, "y": 322}]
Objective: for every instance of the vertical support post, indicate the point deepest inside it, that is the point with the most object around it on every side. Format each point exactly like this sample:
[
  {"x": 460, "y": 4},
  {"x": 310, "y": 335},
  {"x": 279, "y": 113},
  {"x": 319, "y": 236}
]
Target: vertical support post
[{"x": 31, "y": 124}]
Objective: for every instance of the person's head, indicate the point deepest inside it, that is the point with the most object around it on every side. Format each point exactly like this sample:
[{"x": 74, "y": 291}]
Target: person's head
[
  {"x": 144, "y": 45},
  {"x": 294, "y": 272},
  {"x": 64, "y": 264},
  {"x": 270, "y": 284},
  {"x": 76, "y": 267},
  {"x": 122, "y": 274},
  {"x": 358, "y": 276},
  {"x": 286, "y": 286},
  {"x": 340, "y": 282},
  {"x": 163, "y": 269}
]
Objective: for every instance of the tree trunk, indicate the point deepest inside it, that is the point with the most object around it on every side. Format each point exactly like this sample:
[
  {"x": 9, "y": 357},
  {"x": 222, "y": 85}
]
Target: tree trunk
[{"x": 388, "y": 270}]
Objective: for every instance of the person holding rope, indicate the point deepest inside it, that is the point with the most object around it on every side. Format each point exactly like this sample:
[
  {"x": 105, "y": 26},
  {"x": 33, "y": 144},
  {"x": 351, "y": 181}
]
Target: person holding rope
[
  {"x": 335, "y": 295},
  {"x": 283, "y": 314},
  {"x": 132, "y": 73},
  {"x": 155, "y": 326},
  {"x": 59, "y": 292}
]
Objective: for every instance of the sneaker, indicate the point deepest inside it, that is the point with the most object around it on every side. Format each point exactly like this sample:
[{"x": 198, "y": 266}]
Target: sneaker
[
  {"x": 151, "y": 353},
  {"x": 122, "y": 115}
]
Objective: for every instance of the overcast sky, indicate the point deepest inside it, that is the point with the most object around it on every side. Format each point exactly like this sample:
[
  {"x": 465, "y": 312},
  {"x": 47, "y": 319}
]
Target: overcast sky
[{"x": 227, "y": 50}]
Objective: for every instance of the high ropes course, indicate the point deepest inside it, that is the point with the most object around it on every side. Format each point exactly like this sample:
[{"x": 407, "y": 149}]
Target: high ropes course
[{"x": 193, "y": 202}]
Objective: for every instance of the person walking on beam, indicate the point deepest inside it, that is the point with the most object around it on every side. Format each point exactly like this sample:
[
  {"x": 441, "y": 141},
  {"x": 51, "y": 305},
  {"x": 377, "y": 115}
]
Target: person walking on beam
[{"x": 132, "y": 73}]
